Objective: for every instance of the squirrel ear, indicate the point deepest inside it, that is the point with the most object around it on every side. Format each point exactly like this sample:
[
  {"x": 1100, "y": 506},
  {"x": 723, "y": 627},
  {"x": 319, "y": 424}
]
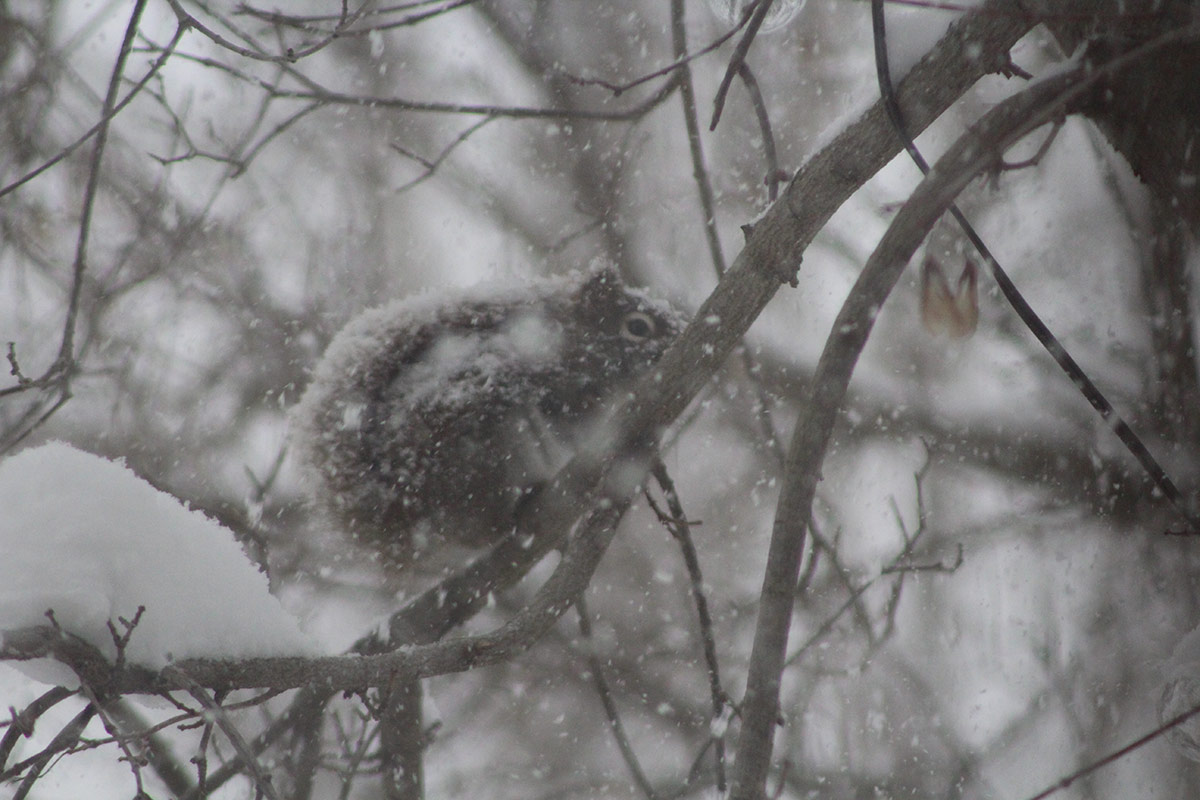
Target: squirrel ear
[{"x": 601, "y": 278}]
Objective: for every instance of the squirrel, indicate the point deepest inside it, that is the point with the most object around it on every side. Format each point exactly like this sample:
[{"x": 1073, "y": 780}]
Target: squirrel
[{"x": 429, "y": 419}]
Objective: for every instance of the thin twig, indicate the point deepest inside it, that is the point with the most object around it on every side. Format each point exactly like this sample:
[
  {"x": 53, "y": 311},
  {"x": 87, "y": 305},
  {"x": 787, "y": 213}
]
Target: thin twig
[
  {"x": 1043, "y": 148},
  {"x": 23, "y": 427},
  {"x": 774, "y": 174},
  {"x": 316, "y": 92},
  {"x": 289, "y": 56},
  {"x": 14, "y": 368},
  {"x": 898, "y": 566},
  {"x": 695, "y": 147},
  {"x": 761, "y": 7},
  {"x": 260, "y": 777},
  {"x": 308, "y": 703},
  {"x": 1116, "y": 755},
  {"x": 431, "y": 166},
  {"x": 134, "y": 760},
  {"x": 841, "y": 574},
  {"x": 105, "y": 119},
  {"x": 156, "y": 750},
  {"x": 64, "y": 366},
  {"x": 343, "y": 21},
  {"x": 680, "y": 529},
  {"x": 329, "y": 96},
  {"x": 596, "y": 667},
  {"x": 201, "y": 760},
  {"x": 680, "y": 62}
]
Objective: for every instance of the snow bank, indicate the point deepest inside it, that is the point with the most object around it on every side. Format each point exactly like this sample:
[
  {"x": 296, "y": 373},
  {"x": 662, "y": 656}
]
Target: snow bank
[{"x": 87, "y": 538}]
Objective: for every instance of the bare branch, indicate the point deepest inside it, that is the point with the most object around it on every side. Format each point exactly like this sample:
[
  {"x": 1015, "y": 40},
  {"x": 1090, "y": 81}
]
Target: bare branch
[
  {"x": 262, "y": 779},
  {"x": 1116, "y": 755},
  {"x": 699, "y": 171},
  {"x": 680, "y": 529},
  {"x": 596, "y": 667},
  {"x": 344, "y": 22},
  {"x": 431, "y": 166},
  {"x": 758, "y": 12},
  {"x": 680, "y": 62},
  {"x": 105, "y": 118},
  {"x": 289, "y": 56},
  {"x": 774, "y": 175}
]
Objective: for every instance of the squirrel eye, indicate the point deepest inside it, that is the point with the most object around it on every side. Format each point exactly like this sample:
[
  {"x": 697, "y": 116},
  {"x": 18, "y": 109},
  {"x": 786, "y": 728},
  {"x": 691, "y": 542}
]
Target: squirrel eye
[{"x": 637, "y": 326}]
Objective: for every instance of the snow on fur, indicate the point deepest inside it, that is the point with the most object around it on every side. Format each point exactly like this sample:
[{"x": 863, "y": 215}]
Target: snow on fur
[{"x": 429, "y": 418}]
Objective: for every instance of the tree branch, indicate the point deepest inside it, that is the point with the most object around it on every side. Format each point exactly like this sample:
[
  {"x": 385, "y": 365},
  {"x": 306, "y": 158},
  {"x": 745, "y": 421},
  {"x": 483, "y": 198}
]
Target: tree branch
[{"x": 977, "y": 151}]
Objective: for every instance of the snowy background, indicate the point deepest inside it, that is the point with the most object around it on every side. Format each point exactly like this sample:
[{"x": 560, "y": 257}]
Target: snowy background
[{"x": 234, "y": 234}]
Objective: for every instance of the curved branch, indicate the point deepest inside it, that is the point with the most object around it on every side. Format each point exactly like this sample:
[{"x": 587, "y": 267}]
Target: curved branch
[
  {"x": 972, "y": 154},
  {"x": 977, "y": 151}
]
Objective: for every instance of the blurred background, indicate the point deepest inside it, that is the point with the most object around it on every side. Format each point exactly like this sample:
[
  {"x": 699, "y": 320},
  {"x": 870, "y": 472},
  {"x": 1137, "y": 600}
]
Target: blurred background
[{"x": 989, "y": 598}]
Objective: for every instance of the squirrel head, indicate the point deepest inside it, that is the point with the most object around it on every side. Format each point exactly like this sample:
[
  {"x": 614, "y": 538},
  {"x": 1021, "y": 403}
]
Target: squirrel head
[{"x": 614, "y": 334}]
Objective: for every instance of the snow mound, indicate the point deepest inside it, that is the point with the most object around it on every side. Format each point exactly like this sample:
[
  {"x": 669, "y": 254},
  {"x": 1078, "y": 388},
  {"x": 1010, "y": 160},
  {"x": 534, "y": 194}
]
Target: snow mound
[{"x": 85, "y": 537}]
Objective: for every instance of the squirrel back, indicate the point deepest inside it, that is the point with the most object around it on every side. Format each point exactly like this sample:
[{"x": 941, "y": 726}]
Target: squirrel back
[{"x": 430, "y": 418}]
